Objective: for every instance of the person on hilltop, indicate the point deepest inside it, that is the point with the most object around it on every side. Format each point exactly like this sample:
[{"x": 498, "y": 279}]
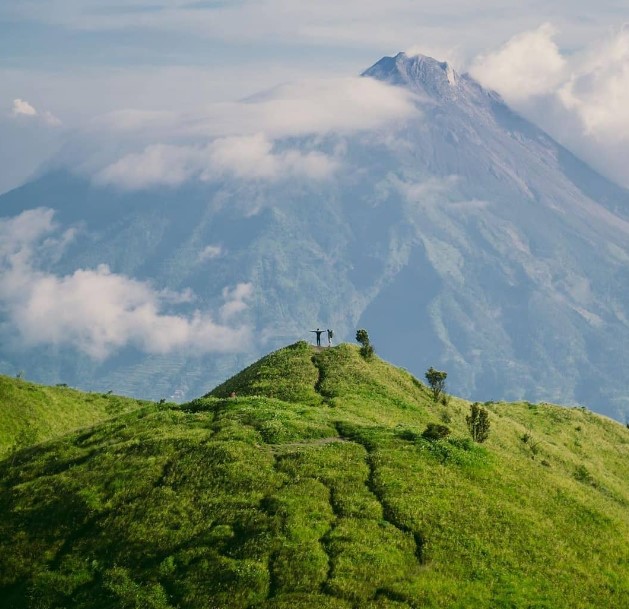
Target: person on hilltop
[
  {"x": 330, "y": 336},
  {"x": 318, "y": 333}
]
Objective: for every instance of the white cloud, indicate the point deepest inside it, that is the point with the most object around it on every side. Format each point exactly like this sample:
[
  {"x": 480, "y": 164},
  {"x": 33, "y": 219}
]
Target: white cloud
[
  {"x": 598, "y": 89},
  {"x": 253, "y": 157},
  {"x": 322, "y": 106},
  {"x": 99, "y": 312},
  {"x": 156, "y": 165},
  {"x": 22, "y": 108},
  {"x": 235, "y": 300},
  {"x": 247, "y": 157},
  {"x": 580, "y": 99},
  {"x": 245, "y": 140},
  {"x": 209, "y": 252},
  {"x": 333, "y": 105},
  {"x": 529, "y": 64}
]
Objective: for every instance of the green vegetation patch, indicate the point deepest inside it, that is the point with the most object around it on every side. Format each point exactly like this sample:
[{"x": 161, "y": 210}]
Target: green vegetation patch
[
  {"x": 339, "y": 500},
  {"x": 31, "y": 413}
]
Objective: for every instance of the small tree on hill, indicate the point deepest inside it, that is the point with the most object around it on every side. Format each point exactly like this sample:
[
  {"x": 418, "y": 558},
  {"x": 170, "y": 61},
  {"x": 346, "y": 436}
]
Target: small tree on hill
[
  {"x": 437, "y": 381},
  {"x": 478, "y": 422},
  {"x": 366, "y": 349}
]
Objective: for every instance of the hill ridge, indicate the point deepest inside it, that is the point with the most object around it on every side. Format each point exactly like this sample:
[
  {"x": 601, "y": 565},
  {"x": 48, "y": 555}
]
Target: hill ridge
[{"x": 266, "y": 500}]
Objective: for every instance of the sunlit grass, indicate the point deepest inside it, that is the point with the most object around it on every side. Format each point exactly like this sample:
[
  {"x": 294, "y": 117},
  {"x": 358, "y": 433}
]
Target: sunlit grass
[{"x": 313, "y": 487}]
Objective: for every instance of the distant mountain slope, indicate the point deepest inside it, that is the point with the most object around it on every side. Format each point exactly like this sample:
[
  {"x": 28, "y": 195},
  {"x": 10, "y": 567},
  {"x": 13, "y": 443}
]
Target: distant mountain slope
[
  {"x": 327, "y": 497},
  {"x": 31, "y": 413},
  {"x": 466, "y": 239}
]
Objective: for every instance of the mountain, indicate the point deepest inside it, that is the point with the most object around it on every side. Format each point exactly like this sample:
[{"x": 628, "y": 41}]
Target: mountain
[
  {"x": 465, "y": 238},
  {"x": 315, "y": 486}
]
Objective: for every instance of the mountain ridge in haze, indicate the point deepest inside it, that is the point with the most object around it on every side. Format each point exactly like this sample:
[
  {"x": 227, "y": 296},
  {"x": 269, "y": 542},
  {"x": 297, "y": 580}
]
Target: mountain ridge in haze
[{"x": 467, "y": 239}]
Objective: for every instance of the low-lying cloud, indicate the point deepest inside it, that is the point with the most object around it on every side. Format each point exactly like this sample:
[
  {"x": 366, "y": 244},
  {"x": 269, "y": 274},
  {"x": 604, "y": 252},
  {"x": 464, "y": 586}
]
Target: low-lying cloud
[
  {"x": 246, "y": 140},
  {"x": 100, "y": 312},
  {"x": 313, "y": 107},
  {"x": 246, "y": 157}
]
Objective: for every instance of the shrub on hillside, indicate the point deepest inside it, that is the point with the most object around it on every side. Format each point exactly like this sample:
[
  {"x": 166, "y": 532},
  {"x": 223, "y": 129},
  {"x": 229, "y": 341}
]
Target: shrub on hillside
[
  {"x": 435, "y": 431},
  {"x": 367, "y": 351},
  {"x": 478, "y": 422}
]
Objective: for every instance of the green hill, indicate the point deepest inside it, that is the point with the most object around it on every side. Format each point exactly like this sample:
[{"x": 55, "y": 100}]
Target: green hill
[
  {"x": 31, "y": 413},
  {"x": 314, "y": 487}
]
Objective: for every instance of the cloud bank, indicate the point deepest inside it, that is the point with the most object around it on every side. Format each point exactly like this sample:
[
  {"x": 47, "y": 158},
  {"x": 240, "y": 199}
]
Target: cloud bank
[
  {"x": 247, "y": 140},
  {"x": 529, "y": 64},
  {"x": 247, "y": 157},
  {"x": 100, "y": 312},
  {"x": 580, "y": 99}
]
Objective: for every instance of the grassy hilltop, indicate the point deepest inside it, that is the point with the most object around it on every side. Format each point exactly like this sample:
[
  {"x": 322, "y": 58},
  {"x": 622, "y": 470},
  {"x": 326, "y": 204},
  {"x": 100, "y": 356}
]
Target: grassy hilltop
[{"x": 314, "y": 488}]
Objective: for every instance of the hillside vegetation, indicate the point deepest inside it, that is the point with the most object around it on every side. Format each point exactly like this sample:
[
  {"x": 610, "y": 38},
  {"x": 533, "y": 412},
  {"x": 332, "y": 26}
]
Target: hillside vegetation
[
  {"x": 313, "y": 487},
  {"x": 31, "y": 413}
]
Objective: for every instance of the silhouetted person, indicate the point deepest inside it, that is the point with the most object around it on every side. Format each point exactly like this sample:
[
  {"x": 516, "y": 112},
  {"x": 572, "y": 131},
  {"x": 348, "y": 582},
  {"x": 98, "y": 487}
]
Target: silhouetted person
[
  {"x": 318, "y": 333},
  {"x": 330, "y": 337}
]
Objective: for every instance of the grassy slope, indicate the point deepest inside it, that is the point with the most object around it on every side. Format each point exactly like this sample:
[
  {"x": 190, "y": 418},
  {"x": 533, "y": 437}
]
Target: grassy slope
[
  {"x": 32, "y": 413},
  {"x": 323, "y": 495}
]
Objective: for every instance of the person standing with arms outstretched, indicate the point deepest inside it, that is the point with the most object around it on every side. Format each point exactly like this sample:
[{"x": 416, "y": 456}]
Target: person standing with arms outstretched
[{"x": 318, "y": 333}]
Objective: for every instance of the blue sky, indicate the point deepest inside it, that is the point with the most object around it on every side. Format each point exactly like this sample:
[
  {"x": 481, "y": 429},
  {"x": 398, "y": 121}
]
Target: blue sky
[{"x": 70, "y": 61}]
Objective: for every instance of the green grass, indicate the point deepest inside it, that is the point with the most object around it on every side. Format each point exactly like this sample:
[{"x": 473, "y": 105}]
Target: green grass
[
  {"x": 31, "y": 413},
  {"x": 313, "y": 487}
]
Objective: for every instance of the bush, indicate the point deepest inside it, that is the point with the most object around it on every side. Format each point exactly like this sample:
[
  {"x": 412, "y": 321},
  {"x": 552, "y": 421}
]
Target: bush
[
  {"x": 434, "y": 431},
  {"x": 478, "y": 422}
]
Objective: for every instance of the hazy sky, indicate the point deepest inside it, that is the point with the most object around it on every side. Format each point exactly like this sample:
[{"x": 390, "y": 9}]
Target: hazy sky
[{"x": 64, "y": 63}]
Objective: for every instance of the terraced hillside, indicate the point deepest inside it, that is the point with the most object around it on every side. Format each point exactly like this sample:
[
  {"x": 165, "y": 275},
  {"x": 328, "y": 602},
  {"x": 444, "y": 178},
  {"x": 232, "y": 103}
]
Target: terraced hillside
[
  {"x": 31, "y": 413},
  {"x": 313, "y": 487}
]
